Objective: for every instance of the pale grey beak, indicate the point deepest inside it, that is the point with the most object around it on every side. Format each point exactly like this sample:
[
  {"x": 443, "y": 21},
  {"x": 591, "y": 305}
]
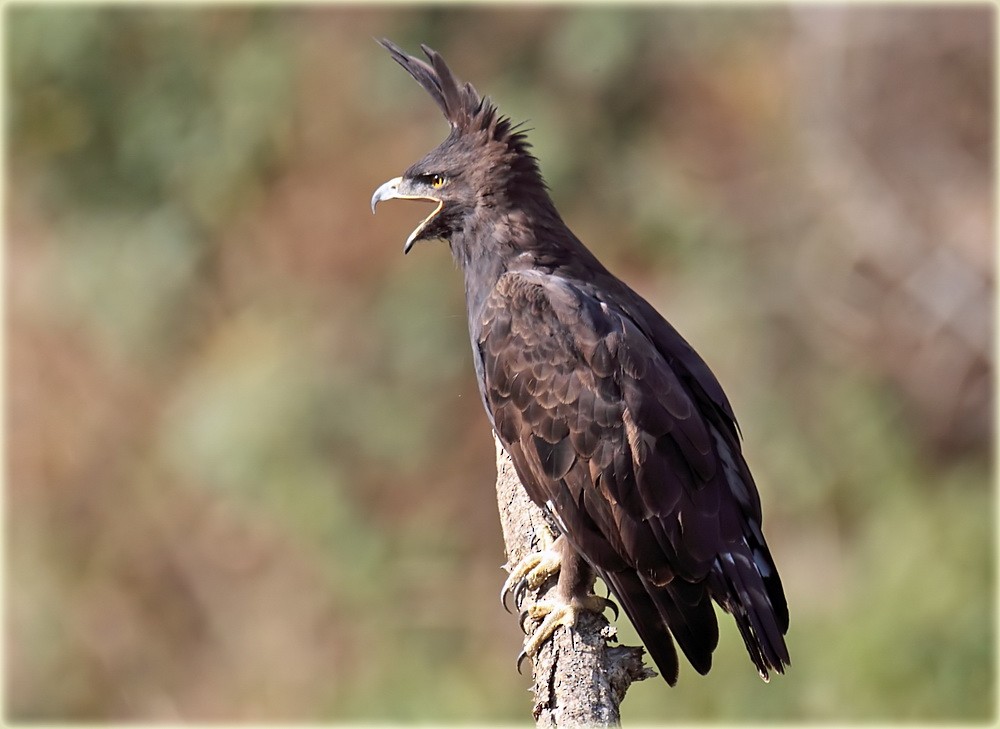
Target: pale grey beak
[
  {"x": 391, "y": 190},
  {"x": 386, "y": 191}
]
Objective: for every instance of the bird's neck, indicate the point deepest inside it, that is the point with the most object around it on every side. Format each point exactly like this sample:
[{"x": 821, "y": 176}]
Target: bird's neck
[
  {"x": 506, "y": 238},
  {"x": 483, "y": 253}
]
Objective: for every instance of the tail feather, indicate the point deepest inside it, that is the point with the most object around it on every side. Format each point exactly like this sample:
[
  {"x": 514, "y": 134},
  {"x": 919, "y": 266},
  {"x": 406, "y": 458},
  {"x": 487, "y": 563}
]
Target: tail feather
[
  {"x": 681, "y": 611},
  {"x": 741, "y": 590},
  {"x": 642, "y": 611},
  {"x": 687, "y": 610}
]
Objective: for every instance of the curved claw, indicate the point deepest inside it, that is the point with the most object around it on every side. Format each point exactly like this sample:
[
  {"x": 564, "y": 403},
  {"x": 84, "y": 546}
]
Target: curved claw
[
  {"x": 522, "y": 618},
  {"x": 505, "y": 591},
  {"x": 520, "y": 591},
  {"x": 608, "y": 603},
  {"x": 520, "y": 659},
  {"x": 529, "y": 573}
]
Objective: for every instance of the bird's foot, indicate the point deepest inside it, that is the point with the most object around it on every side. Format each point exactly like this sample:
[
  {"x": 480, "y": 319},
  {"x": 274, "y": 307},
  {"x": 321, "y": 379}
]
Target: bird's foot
[
  {"x": 530, "y": 574},
  {"x": 556, "y": 613},
  {"x": 563, "y": 603}
]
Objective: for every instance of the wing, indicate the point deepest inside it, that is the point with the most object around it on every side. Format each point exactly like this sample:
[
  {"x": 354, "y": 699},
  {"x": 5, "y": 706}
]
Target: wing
[{"x": 605, "y": 436}]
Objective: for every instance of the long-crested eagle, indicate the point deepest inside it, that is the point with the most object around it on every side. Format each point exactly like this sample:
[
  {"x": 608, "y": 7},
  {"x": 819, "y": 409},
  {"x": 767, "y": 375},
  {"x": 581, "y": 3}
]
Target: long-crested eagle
[{"x": 616, "y": 426}]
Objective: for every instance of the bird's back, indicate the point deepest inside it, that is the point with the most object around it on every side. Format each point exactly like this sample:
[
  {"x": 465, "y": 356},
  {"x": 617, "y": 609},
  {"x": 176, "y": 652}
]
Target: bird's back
[{"x": 618, "y": 427}]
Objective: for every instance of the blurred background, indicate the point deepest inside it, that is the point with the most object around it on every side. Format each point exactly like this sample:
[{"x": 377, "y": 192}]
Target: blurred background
[{"x": 248, "y": 475}]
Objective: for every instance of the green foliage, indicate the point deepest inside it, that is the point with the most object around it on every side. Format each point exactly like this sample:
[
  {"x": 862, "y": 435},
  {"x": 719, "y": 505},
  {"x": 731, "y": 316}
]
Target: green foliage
[{"x": 250, "y": 476}]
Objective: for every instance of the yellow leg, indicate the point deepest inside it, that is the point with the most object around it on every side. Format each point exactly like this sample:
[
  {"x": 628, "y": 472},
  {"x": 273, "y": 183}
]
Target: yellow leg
[{"x": 571, "y": 596}]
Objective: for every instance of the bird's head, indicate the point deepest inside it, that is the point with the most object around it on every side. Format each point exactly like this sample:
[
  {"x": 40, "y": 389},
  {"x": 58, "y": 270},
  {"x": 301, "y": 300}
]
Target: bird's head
[
  {"x": 483, "y": 163},
  {"x": 446, "y": 176}
]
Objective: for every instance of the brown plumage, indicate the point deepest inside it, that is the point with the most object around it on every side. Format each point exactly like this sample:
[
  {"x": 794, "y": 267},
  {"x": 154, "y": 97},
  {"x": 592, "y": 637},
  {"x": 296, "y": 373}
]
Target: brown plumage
[{"x": 615, "y": 425}]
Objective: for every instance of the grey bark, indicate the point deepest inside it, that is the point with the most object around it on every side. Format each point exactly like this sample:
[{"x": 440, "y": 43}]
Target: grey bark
[{"x": 579, "y": 678}]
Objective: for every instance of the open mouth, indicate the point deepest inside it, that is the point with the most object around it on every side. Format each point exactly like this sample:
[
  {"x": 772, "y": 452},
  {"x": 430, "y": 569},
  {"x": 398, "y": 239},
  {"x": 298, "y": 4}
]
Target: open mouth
[
  {"x": 391, "y": 191},
  {"x": 423, "y": 223}
]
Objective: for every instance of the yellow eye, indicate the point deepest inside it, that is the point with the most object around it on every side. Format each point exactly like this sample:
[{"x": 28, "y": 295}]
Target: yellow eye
[{"x": 437, "y": 181}]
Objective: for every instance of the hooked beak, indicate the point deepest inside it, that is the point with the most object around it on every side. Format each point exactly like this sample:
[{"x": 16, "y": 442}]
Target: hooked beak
[{"x": 397, "y": 188}]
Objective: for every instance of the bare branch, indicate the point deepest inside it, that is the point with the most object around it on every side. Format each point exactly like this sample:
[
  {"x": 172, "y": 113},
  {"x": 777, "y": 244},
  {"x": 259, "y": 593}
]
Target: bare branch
[{"x": 579, "y": 679}]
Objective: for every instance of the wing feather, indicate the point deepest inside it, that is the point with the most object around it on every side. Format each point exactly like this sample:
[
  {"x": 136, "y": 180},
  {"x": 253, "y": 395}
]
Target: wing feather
[{"x": 648, "y": 488}]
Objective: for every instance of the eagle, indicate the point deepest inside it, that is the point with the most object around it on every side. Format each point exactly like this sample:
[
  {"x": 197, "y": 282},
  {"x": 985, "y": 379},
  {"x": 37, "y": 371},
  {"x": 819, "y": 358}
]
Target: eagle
[{"x": 617, "y": 429}]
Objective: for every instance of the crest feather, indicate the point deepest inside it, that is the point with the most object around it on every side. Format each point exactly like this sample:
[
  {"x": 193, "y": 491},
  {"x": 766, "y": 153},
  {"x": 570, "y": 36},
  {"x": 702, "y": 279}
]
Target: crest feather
[{"x": 460, "y": 103}]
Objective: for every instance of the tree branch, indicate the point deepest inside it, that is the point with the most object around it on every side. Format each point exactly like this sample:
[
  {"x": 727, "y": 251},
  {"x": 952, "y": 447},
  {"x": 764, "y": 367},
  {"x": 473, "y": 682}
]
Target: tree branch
[{"x": 579, "y": 679}]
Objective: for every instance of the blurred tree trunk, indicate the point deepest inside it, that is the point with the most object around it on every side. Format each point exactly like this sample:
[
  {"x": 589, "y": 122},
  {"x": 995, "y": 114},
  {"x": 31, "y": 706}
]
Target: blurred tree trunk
[{"x": 579, "y": 680}]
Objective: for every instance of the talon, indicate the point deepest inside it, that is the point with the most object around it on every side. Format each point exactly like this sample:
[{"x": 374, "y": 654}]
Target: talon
[
  {"x": 520, "y": 659},
  {"x": 533, "y": 569},
  {"x": 505, "y": 590},
  {"x": 503, "y": 596},
  {"x": 608, "y": 603},
  {"x": 529, "y": 574},
  {"x": 555, "y": 614},
  {"x": 520, "y": 591},
  {"x": 515, "y": 581},
  {"x": 521, "y": 620}
]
